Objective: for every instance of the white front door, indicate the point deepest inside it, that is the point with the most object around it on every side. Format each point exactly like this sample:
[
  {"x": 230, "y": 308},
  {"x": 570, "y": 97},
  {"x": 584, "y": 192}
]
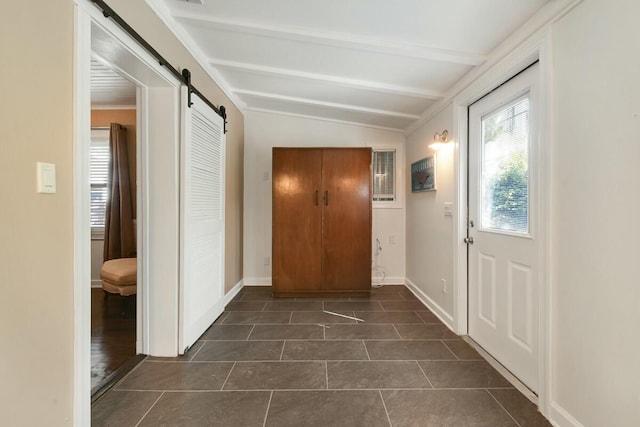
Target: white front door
[
  {"x": 201, "y": 221},
  {"x": 503, "y": 225}
]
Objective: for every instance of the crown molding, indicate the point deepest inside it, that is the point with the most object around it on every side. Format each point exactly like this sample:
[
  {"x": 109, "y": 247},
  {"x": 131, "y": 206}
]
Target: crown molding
[
  {"x": 341, "y": 40},
  {"x": 334, "y": 80},
  {"x": 333, "y": 105}
]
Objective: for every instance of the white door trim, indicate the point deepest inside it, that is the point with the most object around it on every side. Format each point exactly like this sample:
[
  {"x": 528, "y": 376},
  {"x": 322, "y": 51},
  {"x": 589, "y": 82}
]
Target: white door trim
[
  {"x": 537, "y": 47},
  {"x": 81, "y": 221},
  {"x": 86, "y": 15}
]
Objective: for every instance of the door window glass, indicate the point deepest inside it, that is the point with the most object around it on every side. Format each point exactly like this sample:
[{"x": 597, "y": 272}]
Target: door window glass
[{"x": 505, "y": 168}]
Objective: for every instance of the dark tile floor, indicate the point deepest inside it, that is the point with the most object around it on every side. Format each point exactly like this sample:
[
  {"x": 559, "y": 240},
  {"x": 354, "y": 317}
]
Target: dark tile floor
[{"x": 268, "y": 362}]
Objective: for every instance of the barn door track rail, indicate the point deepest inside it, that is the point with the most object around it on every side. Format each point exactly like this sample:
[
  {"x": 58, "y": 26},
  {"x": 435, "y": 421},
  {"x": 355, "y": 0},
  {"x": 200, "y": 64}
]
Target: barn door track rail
[{"x": 184, "y": 76}]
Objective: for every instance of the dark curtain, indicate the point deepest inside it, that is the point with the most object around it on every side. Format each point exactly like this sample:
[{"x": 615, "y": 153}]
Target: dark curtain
[{"x": 119, "y": 239}]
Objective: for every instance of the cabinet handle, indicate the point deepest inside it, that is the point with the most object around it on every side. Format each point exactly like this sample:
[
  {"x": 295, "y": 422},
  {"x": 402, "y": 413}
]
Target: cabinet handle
[
  {"x": 316, "y": 198},
  {"x": 326, "y": 198}
]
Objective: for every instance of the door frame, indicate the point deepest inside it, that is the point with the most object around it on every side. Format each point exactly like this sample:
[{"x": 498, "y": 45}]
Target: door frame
[
  {"x": 537, "y": 48},
  {"x": 164, "y": 92}
]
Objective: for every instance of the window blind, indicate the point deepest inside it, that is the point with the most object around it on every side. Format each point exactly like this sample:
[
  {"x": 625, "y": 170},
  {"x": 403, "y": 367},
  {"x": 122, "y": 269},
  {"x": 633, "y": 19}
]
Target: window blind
[
  {"x": 99, "y": 157},
  {"x": 384, "y": 175}
]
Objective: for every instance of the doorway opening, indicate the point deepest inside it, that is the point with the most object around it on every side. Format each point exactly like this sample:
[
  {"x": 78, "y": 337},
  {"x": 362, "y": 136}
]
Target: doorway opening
[
  {"x": 154, "y": 200},
  {"x": 114, "y": 262}
]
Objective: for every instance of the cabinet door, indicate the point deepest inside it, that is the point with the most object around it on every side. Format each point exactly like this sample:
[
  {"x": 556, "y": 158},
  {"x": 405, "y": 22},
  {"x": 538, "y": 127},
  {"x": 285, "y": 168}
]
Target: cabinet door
[
  {"x": 346, "y": 221},
  {"x": 297, "y": 220}
]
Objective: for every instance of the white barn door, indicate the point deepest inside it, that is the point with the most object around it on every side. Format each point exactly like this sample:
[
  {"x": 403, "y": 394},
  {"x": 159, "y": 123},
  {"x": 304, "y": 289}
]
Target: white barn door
[{"x": 201, "y": 220}]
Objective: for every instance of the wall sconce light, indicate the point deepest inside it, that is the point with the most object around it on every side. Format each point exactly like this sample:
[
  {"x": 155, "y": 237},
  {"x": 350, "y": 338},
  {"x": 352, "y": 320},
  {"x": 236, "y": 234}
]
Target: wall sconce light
[{"x": 440, "y": 139}]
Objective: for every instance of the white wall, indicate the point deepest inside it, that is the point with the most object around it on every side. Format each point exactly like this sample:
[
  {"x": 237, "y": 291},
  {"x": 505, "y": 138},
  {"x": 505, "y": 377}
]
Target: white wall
[
  {"x": 429, "y": 232},
  {"x": 97, "y": 252},
  {"x": 264, "y": 131},
  {"x": 596, "y": 290},
  {"x": 595, "y": 308}
]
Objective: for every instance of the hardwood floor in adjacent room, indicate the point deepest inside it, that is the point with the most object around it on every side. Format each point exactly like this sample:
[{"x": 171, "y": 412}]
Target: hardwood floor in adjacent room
[{"x": 113, "y": 335}]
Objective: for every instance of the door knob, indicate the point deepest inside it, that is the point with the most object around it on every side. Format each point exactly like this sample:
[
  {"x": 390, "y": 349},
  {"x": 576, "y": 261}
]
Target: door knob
[{"x": 468, "y": 240}]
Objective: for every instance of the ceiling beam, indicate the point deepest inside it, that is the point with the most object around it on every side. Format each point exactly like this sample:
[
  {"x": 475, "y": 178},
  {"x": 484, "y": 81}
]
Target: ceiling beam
[
  {"x": 326, "y": 104},
  {"x": 341, "y": 40},
  {"x": 326, "y": 119},
  {"x": 335, "y": 80}
]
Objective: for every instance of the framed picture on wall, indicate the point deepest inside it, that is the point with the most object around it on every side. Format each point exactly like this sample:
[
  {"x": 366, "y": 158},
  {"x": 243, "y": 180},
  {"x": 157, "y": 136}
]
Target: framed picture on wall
[{"x": 423, "y": 175}]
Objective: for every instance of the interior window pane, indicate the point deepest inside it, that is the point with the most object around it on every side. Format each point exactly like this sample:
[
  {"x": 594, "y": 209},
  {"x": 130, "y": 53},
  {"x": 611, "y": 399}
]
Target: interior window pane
[
  {"x": 505, "y": 168},
  {"x": 383, "y": 175},
  {"x": 99, "y": 157}
]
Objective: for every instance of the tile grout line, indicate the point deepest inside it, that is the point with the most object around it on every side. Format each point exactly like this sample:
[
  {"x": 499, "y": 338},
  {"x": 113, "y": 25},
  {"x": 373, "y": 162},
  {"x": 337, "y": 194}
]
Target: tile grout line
[
  {"x": 266, "y": 414},
  {"x": 196, "y": 353},
  {"x": 366, "y": 350},
  {"x": 284, "y": 342},
  {"x": 204, "y": 362},
  {"x": 425, "y": 374},
  {"x": 228, "y": 375},
  {"x": 326, "y": 373},
  {"x": 451, "y": 351},
  {"x": 384, "y": 405},
  {"x": 397, "y": 332},
  {"x": 290, "y": 317},
  {"x": 149, "y": 410},
  {"x": 311, "y": 389},
  {"x": 121, "y": 380},
  {"x": 503, "y": 408},
  {"x": 250, "y": 332}
]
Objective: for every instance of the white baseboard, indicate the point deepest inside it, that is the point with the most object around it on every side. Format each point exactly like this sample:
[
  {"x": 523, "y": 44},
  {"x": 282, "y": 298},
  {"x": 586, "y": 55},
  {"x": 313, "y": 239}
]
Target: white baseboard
[
  {"x": 431, "y": 304},
  {"x": 256, "y": 281},
  {"x": 503, "y": 371},
  {"x": 266, "y": 281},
  {"x": 232, "y": 292},
  {"x": 96, "y": 283},
  {"x": 560, "y": 417},
  {"x": 390, "y": 281}
]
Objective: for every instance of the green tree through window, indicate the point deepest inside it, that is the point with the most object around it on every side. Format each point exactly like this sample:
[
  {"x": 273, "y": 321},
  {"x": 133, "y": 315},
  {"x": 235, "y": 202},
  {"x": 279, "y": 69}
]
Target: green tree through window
[{"x": 510, "y": 195}]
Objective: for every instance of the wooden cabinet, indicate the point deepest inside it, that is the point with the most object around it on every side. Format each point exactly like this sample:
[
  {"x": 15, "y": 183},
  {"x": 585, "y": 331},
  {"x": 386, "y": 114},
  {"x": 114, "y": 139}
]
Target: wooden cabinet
[{"x": 321, "y": 221}]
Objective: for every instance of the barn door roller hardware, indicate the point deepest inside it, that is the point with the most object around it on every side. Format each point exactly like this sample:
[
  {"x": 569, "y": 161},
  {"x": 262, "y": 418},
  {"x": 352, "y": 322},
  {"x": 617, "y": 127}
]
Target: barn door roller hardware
[{"x": 184, "y": 77}]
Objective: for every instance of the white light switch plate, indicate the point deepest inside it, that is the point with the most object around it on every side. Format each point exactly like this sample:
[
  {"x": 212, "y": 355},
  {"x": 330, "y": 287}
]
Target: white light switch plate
[
  {"x": 46, "y": 177},
  {"x": 448, "y": 209}
]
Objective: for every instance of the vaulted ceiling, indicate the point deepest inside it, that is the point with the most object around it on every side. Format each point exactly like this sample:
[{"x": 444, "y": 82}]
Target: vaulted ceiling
[{"x": 373, "y": 62}]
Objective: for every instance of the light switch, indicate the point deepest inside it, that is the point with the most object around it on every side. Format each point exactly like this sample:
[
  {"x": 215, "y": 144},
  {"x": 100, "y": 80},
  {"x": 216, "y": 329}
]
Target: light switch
[
  {"x": 46, "y": 177},
  {"x": 448, "y": 209}
]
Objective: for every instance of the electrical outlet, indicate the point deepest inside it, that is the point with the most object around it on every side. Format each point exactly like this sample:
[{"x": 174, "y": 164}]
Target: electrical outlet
[
  {"x": 267, "y": 261},
  {"x": 265, "y": 176},
  {"x": 444, "y": 286},
  {"x": 392, "y": 239}
]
